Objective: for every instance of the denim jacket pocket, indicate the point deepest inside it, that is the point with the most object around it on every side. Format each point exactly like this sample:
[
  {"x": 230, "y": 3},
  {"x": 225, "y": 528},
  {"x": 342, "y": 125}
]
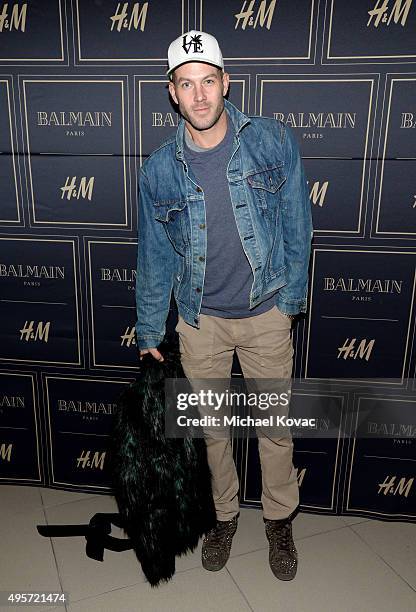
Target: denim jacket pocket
[
  {"x": 173, "y": 214},
  {"x": 269, "y": 180},
  {"x": 165, "y": 209},
  {"x": 265, "y": 186}
]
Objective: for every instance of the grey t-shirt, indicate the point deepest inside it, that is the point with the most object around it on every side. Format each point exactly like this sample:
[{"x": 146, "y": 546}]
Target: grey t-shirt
[{"x": 228, "y": 274}]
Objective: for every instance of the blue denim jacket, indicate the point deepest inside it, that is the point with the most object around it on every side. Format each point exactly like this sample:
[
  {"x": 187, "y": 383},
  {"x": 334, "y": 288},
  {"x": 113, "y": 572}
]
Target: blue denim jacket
[{"x": 272, "y": 210}]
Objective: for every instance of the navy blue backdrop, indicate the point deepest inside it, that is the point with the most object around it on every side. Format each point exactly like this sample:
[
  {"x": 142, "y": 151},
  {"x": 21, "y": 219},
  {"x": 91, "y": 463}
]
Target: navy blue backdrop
[{"x": 83, "y": 100}]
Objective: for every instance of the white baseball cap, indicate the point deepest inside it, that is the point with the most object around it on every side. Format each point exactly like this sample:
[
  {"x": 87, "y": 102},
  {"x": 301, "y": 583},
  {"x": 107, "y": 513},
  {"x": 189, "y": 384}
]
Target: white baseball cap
[{"x": 194, "y": 46}]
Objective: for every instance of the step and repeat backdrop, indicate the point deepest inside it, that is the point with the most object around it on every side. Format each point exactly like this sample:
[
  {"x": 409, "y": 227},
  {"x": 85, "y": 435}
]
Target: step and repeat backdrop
[{"x": 83, "y": 101}]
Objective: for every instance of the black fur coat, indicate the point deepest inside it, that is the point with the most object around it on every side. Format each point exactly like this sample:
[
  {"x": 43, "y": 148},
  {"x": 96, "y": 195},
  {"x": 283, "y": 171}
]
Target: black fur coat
[{"x": 162, "y": 486}]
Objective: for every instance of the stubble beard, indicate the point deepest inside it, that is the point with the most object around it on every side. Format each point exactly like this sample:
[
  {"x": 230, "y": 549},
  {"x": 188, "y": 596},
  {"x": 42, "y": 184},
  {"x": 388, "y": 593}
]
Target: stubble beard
[{"x": 203, "y": 124}]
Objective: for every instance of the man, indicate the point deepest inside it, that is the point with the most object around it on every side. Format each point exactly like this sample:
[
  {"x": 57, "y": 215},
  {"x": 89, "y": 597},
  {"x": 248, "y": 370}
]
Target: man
[{"x": 225, "y": 221}]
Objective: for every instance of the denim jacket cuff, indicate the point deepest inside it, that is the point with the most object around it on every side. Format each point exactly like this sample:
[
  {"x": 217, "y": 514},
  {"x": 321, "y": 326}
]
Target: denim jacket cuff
[
  {"x": 149, "y": 342},
  {"x": 293, "y": 307}
]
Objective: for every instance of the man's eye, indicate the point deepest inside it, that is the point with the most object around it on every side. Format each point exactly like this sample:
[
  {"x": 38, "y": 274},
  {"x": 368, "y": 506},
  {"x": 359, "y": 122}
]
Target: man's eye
[
  {"x": 209, "y": 81},
  {"x": 185, "y": 85}
]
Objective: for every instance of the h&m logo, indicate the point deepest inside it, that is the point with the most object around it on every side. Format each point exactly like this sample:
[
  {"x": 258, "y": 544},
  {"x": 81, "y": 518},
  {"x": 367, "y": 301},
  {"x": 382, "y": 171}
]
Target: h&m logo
[
  {"x": 363, "y": 350},
  {"x": 129, "y": 337},
  {"x": 94, "y": 462},
  {"x": 390, "y": 486},
  {"x": 30, "y": 332},
  {"x": 83, "y": 190},
  {"x": 6, "y": 452},
  {"x": 318, "y": 192},
  {"x": 123, "y": 19},
  {"x": 301, "y": 475},
  {"x": 264, "y": 14},
  {"x": 194, "y": 44},
  {"x": 399, "y": 12},
  {"x": 17, "y": 19}
]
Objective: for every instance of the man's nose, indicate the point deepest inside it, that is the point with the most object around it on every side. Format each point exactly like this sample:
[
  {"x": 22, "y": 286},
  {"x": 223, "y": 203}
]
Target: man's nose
[{"x": 199, "y": 92}]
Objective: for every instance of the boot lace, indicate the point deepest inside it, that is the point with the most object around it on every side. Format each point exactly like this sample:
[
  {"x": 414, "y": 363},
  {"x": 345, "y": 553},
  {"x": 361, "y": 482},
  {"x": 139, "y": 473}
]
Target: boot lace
[
  {"x": 219, "y": 533},
  {"x": 281, "y": 536}
]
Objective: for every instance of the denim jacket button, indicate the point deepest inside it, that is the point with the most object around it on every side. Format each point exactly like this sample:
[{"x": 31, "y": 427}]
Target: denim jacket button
[
  {"x": 201, "y": 258},
  {"x": 202, "y": 226},
  {"x": 198, "y": 289},
  {"x": 199, "y": 190}
]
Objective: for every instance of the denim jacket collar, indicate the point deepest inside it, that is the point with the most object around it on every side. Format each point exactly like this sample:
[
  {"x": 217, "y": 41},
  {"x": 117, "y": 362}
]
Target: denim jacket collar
[{"x": 239, "y": 120}]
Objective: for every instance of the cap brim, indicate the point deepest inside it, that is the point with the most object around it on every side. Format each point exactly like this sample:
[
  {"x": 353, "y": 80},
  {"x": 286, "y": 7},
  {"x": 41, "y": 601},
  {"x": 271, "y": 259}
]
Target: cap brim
[{"x": 169, "y": 72}]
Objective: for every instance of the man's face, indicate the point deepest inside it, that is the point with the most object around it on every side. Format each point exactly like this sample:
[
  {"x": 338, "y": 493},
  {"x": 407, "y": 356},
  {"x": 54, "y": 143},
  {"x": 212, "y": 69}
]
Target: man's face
[{"x": 198, "y": 89}]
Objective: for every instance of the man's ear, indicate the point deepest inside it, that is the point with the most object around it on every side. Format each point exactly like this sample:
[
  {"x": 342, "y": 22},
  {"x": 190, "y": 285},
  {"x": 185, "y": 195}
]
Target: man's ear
[
  {"x": 172, "y": 92},
  {"x": 225, "y": 83}
]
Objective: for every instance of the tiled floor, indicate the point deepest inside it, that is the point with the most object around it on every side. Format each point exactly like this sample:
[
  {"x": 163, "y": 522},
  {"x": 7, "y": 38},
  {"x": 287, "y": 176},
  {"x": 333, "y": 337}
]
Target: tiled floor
[{"x": 345, "y": 564}]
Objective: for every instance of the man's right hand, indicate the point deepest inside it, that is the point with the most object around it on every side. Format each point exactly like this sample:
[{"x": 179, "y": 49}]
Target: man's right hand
[{"x": 154, "y": 352}]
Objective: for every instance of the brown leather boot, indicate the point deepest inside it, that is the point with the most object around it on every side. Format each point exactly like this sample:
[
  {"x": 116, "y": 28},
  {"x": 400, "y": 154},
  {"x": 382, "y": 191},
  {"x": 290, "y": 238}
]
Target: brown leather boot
[
  {"x": 216, "y": 545},
  {"x": 283, "y": 556}
]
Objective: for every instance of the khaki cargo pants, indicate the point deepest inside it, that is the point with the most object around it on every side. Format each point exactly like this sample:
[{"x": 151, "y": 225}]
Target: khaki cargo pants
[{"x": 263, "y": 344}]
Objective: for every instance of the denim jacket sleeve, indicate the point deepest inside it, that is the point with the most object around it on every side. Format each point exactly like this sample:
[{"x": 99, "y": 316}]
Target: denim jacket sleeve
[
  {"x": 155, "y": 268},
  {"x": 297, "y": 229}
]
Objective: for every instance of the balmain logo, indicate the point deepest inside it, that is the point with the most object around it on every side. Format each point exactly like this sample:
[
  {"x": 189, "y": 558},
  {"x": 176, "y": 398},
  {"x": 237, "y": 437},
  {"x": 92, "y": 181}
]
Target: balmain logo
[
  {"x": 119, "y": 274},
  {"x": 264, "y": 15},
  {"x": 397, "y": 430},
  {"x": 123, "y": 20},
  {"x": 85, "y": 407},
  {"x": 367, "y": 285},
  {"x": 408, "y": 121},
  {"x": 12, "y": 401},
  {"x": 26, "y": 271},
  {"x": 165, "y": 119},
  {"x": 399, "y": 12},
  {"x": 320, "y": 425},
  {"x": 83, "y": 190},
  {"x": 17, "y": 19},
  {"x": 318, "y": 120},
  {"x": 72, "y": 118}
]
